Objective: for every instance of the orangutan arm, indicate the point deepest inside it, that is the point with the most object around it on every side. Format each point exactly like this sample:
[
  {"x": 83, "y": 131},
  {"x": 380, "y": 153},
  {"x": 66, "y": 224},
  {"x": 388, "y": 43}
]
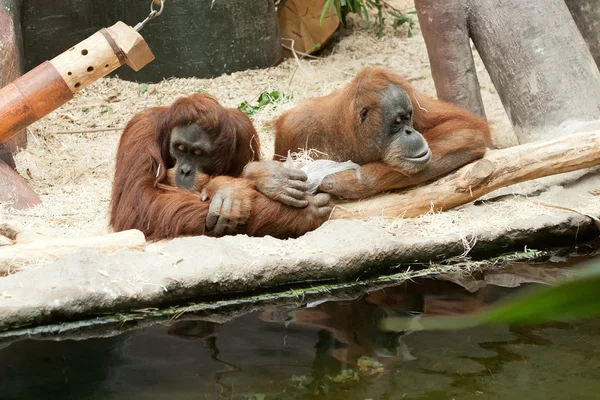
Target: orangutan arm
[{"x": 449, "y": 152}]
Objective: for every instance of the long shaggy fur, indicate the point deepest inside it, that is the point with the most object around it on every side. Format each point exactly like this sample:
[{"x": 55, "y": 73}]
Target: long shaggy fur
[
  {"x": 332, "y": 125},
  {"x": 143, "y": 199}
]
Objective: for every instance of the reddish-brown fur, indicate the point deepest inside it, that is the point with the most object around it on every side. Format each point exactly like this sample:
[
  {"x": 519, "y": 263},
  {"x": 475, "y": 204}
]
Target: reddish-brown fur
[
  {"x": 142, "y": 200},
  {"x": 331, "y": 124},
  {"x": 291, "y": 222}
]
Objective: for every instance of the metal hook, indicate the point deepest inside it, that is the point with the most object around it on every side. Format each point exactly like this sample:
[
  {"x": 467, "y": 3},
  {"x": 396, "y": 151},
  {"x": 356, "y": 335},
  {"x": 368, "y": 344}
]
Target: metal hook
[{"x": 153, "y": 14}]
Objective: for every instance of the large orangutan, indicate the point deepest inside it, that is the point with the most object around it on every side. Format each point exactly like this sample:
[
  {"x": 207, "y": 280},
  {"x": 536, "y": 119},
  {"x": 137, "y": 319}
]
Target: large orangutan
[
  {"x": 196, "y": 136},
  {"x": 378, "y": 121}
]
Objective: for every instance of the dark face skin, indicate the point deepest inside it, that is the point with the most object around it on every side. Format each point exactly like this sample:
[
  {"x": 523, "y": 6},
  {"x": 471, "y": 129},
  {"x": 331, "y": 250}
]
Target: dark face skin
[
  {"x": 190, "y": 146},
  {"x": 405, "y": 148}
]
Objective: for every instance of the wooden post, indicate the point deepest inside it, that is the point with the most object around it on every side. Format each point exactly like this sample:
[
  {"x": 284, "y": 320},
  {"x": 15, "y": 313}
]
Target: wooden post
[
  {"x": 11, "y": 66},
  {"x": 53, "y": 83}
]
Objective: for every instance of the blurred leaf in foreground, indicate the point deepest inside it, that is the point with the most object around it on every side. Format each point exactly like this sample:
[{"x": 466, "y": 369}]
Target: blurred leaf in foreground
[{"x": 577, "y": 297}]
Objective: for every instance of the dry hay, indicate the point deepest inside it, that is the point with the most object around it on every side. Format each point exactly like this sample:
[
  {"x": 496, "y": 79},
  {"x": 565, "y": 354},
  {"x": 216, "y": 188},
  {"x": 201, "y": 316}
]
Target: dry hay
[{"x": 73, "y": 172}]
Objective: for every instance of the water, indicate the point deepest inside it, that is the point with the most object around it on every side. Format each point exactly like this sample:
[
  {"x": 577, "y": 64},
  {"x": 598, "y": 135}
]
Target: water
[{"x": 333, "y": 350}]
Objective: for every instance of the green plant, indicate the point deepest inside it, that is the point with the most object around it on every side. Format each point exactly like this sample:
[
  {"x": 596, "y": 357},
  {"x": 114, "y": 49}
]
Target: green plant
[
  {"x": 577, "y": 297},
  {"x": 362, "y": 7},
  {"x": 105, "y": 109},
  {"x": 143, "y": 88},
  {"x": 263, "y": 99}
]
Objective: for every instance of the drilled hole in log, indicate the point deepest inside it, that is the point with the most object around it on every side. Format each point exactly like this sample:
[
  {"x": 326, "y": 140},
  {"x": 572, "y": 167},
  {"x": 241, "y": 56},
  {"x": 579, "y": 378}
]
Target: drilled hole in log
[
  {"x": 106, "y": 66},
  {"x": 77, "y": 84},
  {"x": 90, "y": 69},
  {"x": 69, "y": 73},
  {"x": 84, "y": 52}
]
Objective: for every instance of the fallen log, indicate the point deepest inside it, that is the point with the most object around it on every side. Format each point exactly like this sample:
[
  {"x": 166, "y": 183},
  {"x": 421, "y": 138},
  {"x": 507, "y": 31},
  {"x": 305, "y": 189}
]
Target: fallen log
[
  {"x": 497, "y": 169},
  {"x": 33, "y": 248}
]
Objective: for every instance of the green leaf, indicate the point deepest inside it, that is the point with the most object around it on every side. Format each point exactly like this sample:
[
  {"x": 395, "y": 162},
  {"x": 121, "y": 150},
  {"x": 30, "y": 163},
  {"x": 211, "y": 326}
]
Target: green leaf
[
  {"x": 338, "y": 10},
  {"x": 143, "y": 88},
  {"x": 577, "y": 297},
  {"x": 366, "y": 16},
  {"x": 328, "y": 4},
  {"x": 105, "y": 109},
  {"x": 263, "y": 99}
]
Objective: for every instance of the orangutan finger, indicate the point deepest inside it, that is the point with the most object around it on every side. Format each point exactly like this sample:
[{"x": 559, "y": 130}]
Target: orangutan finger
[
  {"x": 298, "y": 185},
  {"x": 223, "y": 223},
  {"x": 321, "y": 199},
  {"x": 294, "y": 193},
  {"x": 214, "y": 211},
  {"x": 223, "y": 227},
  {"x": 324, "y": 212},
  {"x": 296, "y": 174},
  {"x": 290, "y": 201},
  {"x": 203, "y": 195}
]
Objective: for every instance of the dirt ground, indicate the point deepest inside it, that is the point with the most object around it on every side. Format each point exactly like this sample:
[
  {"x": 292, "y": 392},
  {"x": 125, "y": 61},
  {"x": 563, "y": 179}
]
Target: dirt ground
[{"x": 73, "y": 172}]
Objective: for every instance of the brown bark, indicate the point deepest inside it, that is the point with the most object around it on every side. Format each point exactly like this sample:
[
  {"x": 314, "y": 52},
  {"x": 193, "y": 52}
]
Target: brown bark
[{"x": 499, "y": 168}]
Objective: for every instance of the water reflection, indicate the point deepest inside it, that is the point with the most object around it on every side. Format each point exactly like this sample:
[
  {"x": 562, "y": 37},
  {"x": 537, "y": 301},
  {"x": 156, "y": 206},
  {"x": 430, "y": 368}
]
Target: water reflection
[{"x": 324, "y": 350}]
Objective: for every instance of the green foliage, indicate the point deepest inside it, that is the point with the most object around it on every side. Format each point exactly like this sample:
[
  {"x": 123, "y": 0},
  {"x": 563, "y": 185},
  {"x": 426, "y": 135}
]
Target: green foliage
[
  {"x": 105, "y": 109},
  {"x": 577, "y": 297},
  {"x": 143, "y": 88},
  {"x": 362, "y": 7},
  {"x": 263, "y": 99}
]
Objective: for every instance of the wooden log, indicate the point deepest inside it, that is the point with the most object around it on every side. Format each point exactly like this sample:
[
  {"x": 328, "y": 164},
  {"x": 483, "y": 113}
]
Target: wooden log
[
  {"x": 53, "y": 83},
  {"x": 11, "y": 65},
  {"x": 498, "y": 168},
  {"x": 14, "y": 191},
  {"x": 32, "y": 247},
  {"x": 203, "y": 38}
]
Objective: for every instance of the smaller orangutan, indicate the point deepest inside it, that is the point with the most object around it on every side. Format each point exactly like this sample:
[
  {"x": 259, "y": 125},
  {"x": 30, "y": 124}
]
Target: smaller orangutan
[
  {"x": 399, "y": 136},
  {"x": 196, "y": 136}
]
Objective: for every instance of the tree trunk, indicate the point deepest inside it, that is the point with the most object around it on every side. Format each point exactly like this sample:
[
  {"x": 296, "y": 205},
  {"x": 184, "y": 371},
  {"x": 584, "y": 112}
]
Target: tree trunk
[
  {"x": 586, "y": 14},
  {"x": 537, "y": 59},
  {"x": 540, "y": 64},
  {"x": 14, "y": 190},
  {"x": 11, "y": 56},
  {"x": 446, "y": 35}
]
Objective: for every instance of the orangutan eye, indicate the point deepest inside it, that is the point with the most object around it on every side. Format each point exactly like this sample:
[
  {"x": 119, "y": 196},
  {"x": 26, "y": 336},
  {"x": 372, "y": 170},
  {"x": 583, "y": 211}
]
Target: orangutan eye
[
  {"x": 181, "y": 147},
  {"x": 198, "y": 152},
  {"x": 398, "y": 120}
]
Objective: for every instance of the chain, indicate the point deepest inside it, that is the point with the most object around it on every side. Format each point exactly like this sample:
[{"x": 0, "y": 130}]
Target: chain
[{"x": 153, "y": 14}]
